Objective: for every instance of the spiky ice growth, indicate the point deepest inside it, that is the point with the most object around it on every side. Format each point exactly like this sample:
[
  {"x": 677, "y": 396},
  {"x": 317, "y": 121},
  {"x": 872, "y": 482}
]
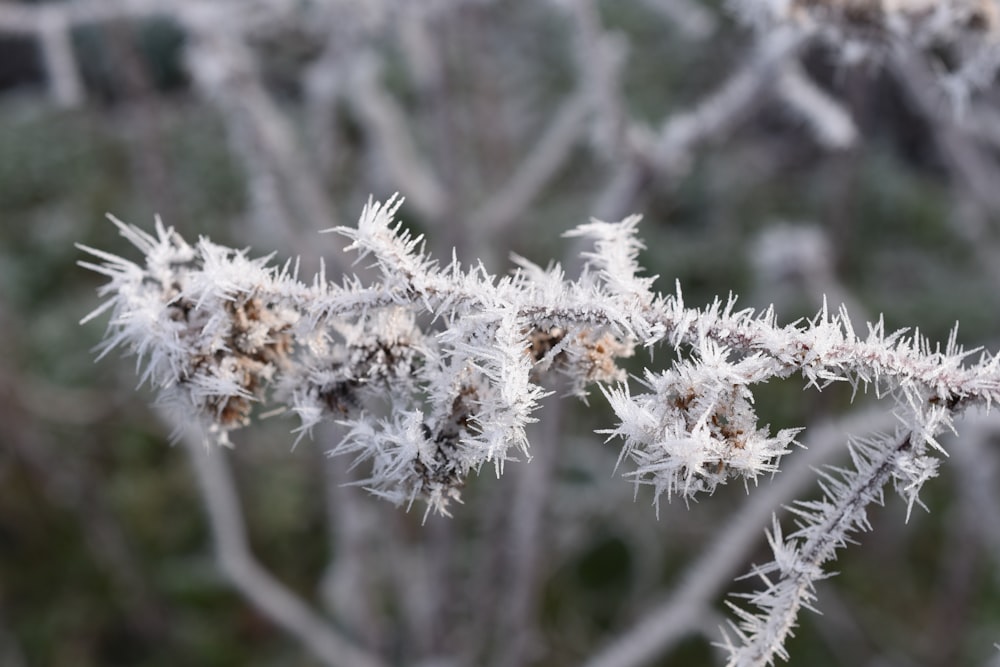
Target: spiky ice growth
[{"x": 437, "y": 370}]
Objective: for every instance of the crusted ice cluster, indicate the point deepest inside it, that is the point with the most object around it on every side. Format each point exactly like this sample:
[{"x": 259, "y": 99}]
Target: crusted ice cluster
[
  {"x": 697, "y": 426},
  {"x": 206, "y": 337}
]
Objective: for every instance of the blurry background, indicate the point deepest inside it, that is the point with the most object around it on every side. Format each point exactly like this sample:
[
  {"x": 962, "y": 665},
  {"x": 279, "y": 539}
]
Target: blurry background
[{"x": 779, "y": 170}]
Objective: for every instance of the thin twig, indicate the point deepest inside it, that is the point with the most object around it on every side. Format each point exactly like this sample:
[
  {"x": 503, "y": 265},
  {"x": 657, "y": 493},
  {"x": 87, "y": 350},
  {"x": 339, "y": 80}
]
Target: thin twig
[
  {"x": 518, "y": 633},
  {"x": 829, "y": 121}
]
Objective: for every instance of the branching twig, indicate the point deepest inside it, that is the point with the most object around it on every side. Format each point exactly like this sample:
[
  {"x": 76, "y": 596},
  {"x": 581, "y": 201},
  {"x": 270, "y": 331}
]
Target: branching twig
[
  {"x": 387, "y": 125},
  {"x": 268, "y": 595},
  {"x": 668, "y": 622},
  {"x": 498, "y": 213}
]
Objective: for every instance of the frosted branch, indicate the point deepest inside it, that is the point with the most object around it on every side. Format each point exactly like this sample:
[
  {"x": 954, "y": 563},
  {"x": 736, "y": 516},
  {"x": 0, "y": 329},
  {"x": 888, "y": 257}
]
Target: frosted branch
[
  {"x": 437, "y": 370},
  {"x": 215, "y": 330}
]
